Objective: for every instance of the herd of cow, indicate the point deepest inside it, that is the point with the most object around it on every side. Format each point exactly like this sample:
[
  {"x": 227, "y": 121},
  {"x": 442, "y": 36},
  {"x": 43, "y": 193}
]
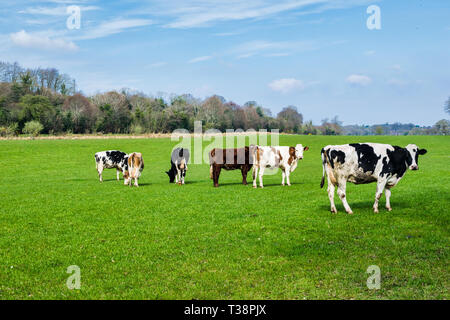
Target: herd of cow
[{"x": 358, "y": 163}]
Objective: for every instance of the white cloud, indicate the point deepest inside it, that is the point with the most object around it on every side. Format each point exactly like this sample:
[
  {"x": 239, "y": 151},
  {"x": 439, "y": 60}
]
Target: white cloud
[
  {"x": 37, "y": 41},
  {"x": 358, "y": 79},
  {"x": 112, "y": 27},
  {"x": 286, "y": 85},
  {"x": 199, "y": 59}
]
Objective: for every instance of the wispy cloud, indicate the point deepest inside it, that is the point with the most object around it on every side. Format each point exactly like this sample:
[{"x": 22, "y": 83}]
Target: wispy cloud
[
  {"x": 200, "y": 59},
  {"x": 199, "y": 13},
  {"x": 54, "y": 11},
  {"x": 112, "y": 27},
  {"x": 36, "y": 41},
  {"x": 397, "y": 82},
  {"x": 272, "y": 48},
  {"x": 286, "y": 85},
  {"x": 226, "y": 34},
  {"x": 157, "y": 64},
  {"x": 359, "y": 80}
]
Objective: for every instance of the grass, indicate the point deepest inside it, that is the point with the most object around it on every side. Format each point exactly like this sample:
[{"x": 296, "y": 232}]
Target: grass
[{"x": 163, "y": 241}]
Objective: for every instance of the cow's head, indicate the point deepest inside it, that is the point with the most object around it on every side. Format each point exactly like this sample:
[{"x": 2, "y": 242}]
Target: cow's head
[
  {"x": 171, "y": 175},
  {"x": 412, "y": 156},
  {"x": 299, "y": 151}
]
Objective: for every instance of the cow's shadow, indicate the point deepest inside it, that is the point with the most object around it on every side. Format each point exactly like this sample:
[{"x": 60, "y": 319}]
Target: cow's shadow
[{"x": 365, "y": 205}]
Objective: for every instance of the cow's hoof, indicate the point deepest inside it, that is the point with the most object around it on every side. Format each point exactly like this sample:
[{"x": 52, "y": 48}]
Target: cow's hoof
[
  {"x": 350, "y": 212},
  {"x": 389, "y": 209},
  {"x": 375, "y": 211},
  {"x": 334, "y": 211},
  {"x": 255, "y": 187}
]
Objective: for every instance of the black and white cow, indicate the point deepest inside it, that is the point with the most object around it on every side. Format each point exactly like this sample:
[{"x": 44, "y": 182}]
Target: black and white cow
[
  {"x": 112, "y": 159},
  {"x": 178, "y": 160},
  {"x": 362, "y": 163}
]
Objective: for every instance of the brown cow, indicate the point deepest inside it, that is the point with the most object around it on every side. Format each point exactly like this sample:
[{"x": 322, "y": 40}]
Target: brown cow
[{"x": 230, "y": 159}]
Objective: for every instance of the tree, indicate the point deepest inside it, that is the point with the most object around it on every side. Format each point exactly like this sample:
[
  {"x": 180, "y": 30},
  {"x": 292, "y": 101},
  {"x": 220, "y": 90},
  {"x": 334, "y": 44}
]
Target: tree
[
  {"x": 442, "y": 127},
  {"x": 331, "y": 128},
  {"x": 79, "y": 114},
  {"x": 447, "y": 106},
  {"x": 37, "y": 108},
  {"x": 290, "y": 120},
  {"x": 379, "y": 130}
]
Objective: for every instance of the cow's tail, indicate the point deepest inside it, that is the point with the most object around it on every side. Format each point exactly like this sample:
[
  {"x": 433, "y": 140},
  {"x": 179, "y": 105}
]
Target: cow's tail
[
  {"x": 212, "y": 153},
  {"x": 324, "y": 163}
]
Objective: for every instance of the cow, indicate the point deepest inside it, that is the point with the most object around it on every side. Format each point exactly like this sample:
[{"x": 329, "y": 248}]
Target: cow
[
  {"x": 112, "y": 159},
  {"x": 135, "y": 167},
  {"x": 285, "y": 158},
  {"x": 179, "y": 165},
  {"x": 362, "y": 163},
  {"x": 229, "y": 159}
]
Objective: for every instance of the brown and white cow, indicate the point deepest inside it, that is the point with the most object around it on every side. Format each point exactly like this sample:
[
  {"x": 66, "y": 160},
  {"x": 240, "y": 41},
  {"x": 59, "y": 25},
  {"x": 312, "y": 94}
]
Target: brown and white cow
[
  {"x": 229, "y": 159},
  {"x": 362, "y": 163},
  {"x": 135, "y": 167},
  {"x": 283, "y": 157}
]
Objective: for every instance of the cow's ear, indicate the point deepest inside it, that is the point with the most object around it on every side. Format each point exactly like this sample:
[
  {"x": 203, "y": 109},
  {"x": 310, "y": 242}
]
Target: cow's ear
[
  {"x": 422, "y": 151},
  {"x": 306, "y": 148}
]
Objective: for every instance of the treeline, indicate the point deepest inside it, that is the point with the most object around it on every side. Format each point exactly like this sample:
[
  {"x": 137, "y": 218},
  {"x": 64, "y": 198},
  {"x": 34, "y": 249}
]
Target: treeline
[
  {"x": 34, "y": 101},
  {"x": 442, "y": 127}
]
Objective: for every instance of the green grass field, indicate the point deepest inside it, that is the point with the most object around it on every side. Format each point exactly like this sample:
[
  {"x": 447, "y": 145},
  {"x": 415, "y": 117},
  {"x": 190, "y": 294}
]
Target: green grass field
[{"x": 164, "y": 241}]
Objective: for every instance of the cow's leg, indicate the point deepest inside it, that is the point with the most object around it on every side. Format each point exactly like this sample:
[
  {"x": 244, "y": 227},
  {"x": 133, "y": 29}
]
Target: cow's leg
[
  {"x": 283, "y": 176},
  {"x": 261, "y": 174},
  {"x": 216, "y": 174},
  {"x": 100, "y": 170},
  {"x": 255, "y": 174},
  {"x": 118, "y": 174},
  {"x": 380, "y": 187},
  {"x": 136, "y": 182},
  {"x": 330, "y": 189},
  {"x": 387, "y": 191},
  {"x": 178, "y": 176},
  {"x": 288, "y": 181},
  {"x": 342, "y": 185},
  {"x": 244, "y": 171}
]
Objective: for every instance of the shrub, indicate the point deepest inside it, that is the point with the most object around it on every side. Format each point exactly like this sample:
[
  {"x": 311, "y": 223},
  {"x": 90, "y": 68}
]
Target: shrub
[
  {"x": 33, "y": 128},
  {"x": 136, "y": 129},
  {"x": 11, "y": 130}
]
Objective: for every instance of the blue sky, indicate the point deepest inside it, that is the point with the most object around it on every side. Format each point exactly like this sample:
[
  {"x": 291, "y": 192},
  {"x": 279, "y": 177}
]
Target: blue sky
[{"x": 318, "y": 55}]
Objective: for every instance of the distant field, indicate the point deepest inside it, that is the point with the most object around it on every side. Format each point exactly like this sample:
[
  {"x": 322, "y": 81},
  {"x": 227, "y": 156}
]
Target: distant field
[{"x": 163, "y": 241}]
